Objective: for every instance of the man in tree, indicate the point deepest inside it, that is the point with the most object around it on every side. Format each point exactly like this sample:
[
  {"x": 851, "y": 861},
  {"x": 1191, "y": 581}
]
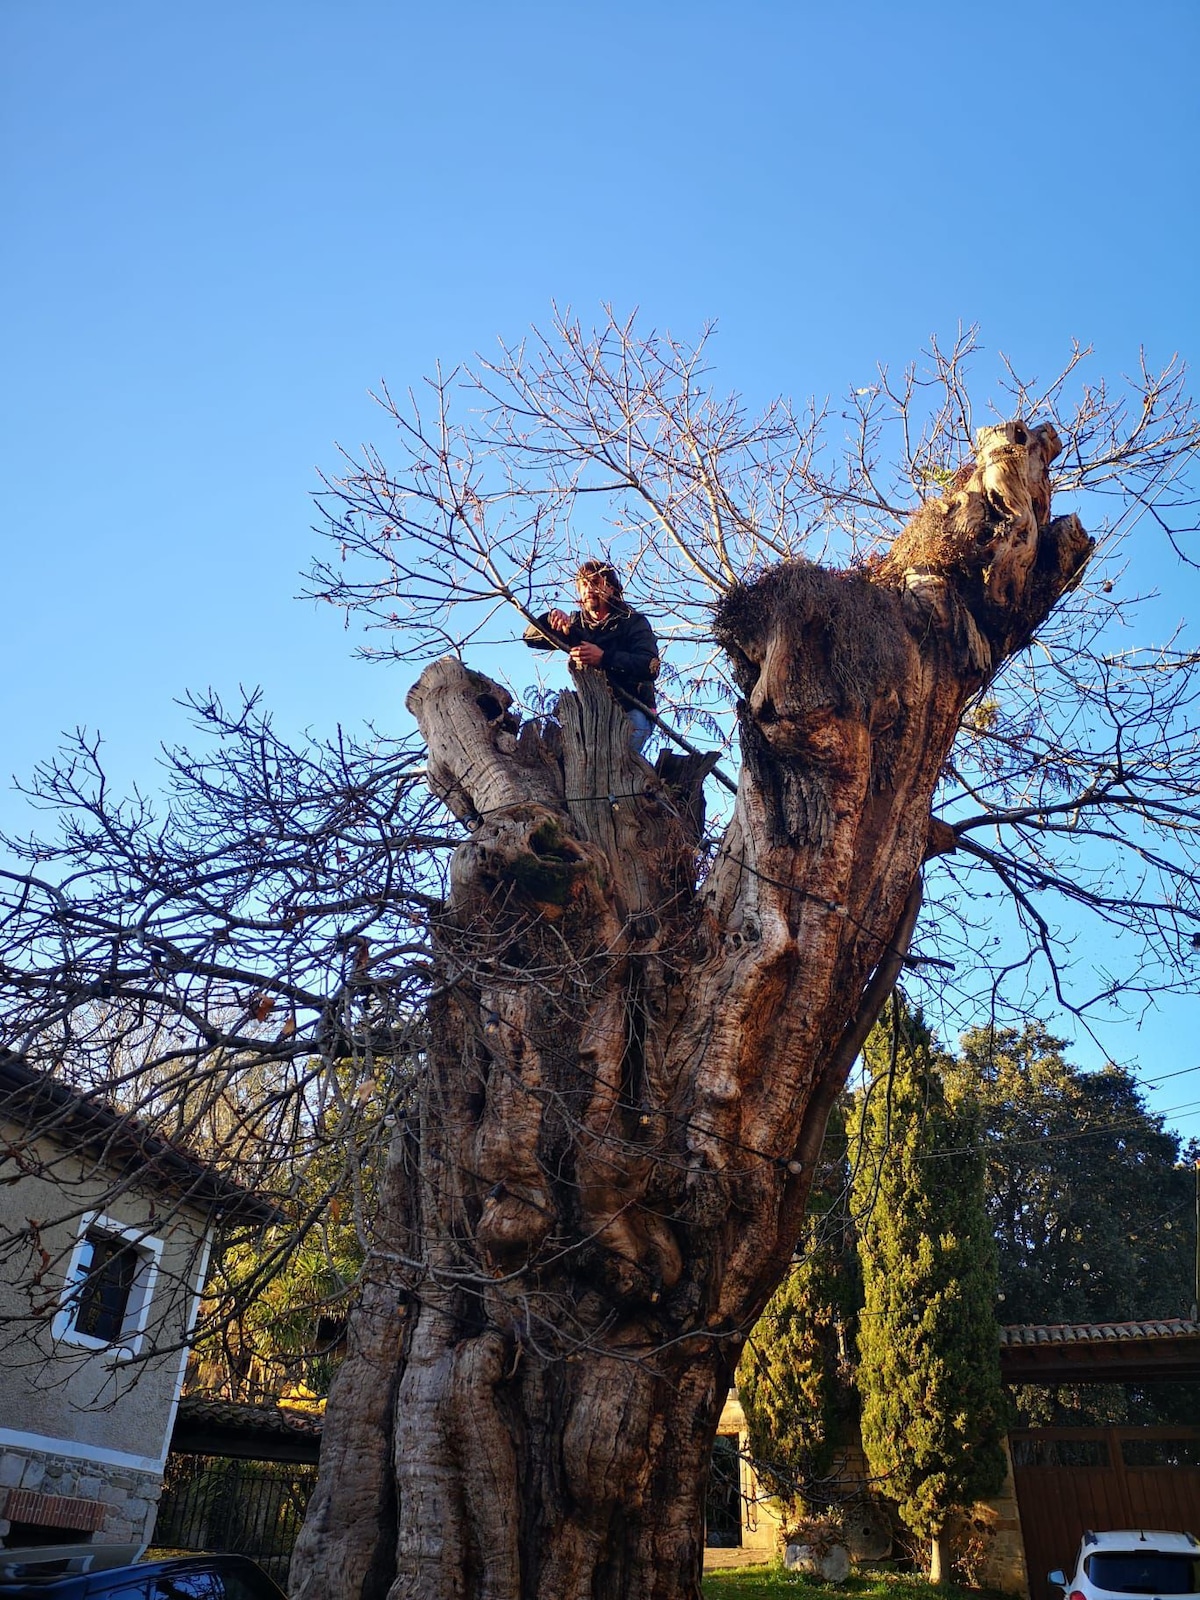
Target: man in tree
[
  {"x": 631, "y": 1066},
  {"x": 606, "y": 632},
  {"x": 628, "y": 1052}
]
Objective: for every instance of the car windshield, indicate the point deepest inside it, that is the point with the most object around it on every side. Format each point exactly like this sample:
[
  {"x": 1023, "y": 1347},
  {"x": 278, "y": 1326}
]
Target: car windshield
[{"x": 1144, "y": 1572}]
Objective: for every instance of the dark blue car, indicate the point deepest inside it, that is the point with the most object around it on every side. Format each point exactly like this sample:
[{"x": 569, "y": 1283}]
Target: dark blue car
[{"x": 94, "y": 1572}]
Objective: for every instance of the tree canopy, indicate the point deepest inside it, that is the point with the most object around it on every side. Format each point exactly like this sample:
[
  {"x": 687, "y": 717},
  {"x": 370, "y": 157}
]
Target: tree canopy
[
  {"x": 607, "y": 1039},
  {"x": 1088, "y": 1199},
  {"x": 228, "y": 907}
]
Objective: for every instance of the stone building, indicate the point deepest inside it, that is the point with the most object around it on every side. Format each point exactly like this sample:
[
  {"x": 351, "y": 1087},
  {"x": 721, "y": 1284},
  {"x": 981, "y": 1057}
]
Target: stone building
[
  {"x": 105, "y": 1237},
  {"x": 1059, "y": 1480},
  {"x": 865, "y": 1525}
]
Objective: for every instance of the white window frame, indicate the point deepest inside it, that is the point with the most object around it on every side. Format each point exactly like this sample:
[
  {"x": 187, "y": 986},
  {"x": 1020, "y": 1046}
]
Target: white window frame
[{"x": 137, "y": 1309}]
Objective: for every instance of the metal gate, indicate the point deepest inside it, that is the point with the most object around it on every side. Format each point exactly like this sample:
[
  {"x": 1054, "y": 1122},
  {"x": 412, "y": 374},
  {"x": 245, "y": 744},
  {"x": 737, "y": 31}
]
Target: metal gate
[
  {"x": 723, "y": 1506},
  {"x": 1071, "y": 1479},
  {"x": 253, "y": 1508}
]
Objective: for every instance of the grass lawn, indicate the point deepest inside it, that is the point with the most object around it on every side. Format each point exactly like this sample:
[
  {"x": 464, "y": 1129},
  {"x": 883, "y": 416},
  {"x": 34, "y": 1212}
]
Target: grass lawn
[{"x": 771, "y": 1583}]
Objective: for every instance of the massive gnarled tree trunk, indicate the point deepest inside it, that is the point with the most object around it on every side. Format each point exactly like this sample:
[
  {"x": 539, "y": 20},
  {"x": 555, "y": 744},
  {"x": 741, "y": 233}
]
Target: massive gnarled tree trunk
[{"x": 631, "y": 1070}]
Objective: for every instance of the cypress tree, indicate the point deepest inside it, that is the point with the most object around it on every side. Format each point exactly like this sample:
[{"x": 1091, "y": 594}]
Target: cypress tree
[
  {"x": 933, "y": 1409},
  {"x": 794, "y": 1376}
]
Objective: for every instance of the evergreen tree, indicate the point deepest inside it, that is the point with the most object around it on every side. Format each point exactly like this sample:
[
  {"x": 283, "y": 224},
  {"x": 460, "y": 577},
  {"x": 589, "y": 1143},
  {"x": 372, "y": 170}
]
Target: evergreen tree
[
  {"x": 933, "y": 1409},
  {"x": 277, "y": 1303},
  {"x": 794, "y": 1378},
  {"x": 1091, "y": 1205}
]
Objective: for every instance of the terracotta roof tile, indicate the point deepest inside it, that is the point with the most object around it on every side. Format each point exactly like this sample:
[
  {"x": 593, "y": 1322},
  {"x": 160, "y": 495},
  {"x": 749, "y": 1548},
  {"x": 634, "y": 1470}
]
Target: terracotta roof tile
[
  {"x": 1097, "y": 1332},
  {"x": 196, "y": 1408},
  {"x": 72, "y": 1118}
]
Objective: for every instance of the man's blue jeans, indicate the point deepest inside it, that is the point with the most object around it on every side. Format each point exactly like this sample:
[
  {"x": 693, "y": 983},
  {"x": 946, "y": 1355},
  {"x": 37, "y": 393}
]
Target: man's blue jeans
[{"x": 640, "y": 728}]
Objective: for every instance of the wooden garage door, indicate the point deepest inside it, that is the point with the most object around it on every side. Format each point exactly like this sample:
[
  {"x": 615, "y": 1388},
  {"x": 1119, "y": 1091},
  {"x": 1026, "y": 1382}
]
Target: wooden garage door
[{"x": 1069, "y": 1480}]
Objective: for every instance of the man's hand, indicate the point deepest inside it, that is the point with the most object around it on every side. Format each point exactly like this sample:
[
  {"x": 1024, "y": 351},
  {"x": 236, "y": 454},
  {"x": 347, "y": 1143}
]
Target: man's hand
[
  {"x": 586, "y": 655},
  {"x": 559, "y": 621}
]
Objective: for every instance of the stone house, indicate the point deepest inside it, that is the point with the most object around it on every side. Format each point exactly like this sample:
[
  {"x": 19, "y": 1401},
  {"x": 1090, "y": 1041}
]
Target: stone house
[{"x": 105, "y": 1236}]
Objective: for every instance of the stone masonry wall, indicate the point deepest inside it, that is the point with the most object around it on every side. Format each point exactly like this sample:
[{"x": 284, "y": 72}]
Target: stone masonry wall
[
  {"x": 987, "y": 1540},
  {"x": 116, "y": 1505}
]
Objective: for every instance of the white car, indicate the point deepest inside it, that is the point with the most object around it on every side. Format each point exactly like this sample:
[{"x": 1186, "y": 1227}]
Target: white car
[{"x": 1133, "y": 1561}]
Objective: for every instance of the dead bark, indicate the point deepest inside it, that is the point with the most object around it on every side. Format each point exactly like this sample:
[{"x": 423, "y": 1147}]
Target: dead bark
[{"x": 632, "y": 1071}]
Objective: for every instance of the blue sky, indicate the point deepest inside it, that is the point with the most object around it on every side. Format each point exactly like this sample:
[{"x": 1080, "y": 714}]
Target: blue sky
[{"x": 227, "y": 221}]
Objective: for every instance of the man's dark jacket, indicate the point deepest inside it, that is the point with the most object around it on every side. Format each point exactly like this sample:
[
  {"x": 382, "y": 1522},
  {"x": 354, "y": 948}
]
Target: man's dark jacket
[{"x": 627, "y": 639}]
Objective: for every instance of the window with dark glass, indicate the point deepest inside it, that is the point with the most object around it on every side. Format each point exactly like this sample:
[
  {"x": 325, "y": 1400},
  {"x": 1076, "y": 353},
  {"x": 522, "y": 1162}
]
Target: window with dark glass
[
  {"x": 1060, "y": 1453},
  {"x": 1154, "y": 1572},
  {"x": 1180, "y": 1452},
  {"x": 109, "y": 1266},
  {"x": 189, "y": 1586}
]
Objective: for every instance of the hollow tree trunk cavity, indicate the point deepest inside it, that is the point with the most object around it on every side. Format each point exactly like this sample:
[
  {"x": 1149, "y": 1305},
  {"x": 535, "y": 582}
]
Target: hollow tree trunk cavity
[{"x": 632, "y": 1065}]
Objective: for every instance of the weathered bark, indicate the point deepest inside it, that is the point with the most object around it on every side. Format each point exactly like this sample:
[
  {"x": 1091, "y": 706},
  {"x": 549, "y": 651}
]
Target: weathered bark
[{"x": 631, "y": 1071}]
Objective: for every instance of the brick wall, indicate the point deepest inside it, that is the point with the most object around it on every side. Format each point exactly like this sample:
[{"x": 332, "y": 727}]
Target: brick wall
[{"x": 114, "y": 1504}]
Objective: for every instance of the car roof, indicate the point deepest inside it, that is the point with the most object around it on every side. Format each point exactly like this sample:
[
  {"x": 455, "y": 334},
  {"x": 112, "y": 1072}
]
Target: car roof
[
  {"x": 81, "y": 1582},
  {"x": 1132, "y": 1538},
  {"x": 60, "y": 1563}
]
